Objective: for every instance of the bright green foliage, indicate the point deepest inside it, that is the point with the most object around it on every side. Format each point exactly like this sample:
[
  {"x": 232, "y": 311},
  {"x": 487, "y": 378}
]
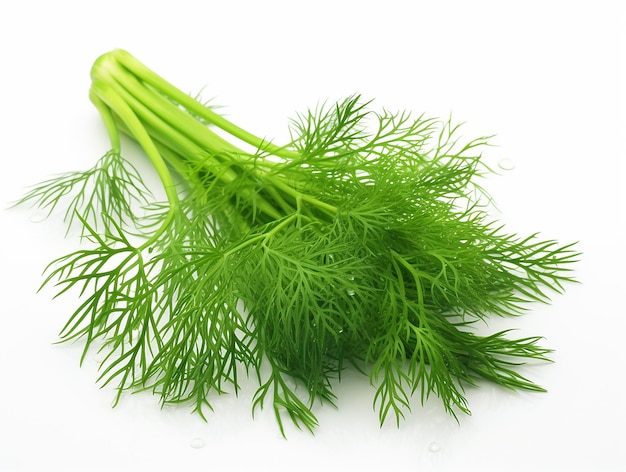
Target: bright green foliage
[{"x": 364, "y": 242}]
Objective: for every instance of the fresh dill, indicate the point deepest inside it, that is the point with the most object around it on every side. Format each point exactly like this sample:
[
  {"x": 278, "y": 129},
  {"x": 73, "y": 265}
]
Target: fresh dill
[{"x": 365, "y": 242}]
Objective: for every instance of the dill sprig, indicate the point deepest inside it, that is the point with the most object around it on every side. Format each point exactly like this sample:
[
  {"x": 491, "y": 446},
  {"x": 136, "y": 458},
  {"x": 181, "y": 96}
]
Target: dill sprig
[{"x": 364, "y": 242}]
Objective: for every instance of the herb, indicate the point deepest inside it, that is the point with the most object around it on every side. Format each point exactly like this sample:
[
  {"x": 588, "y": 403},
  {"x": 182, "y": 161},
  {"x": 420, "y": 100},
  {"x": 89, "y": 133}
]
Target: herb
[{"x": 365, "y": 242}]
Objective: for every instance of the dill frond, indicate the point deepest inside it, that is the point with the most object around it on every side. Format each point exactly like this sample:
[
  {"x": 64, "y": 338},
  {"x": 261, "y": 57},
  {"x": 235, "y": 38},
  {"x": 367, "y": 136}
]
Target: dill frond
[{"x": 365, "y": 242}]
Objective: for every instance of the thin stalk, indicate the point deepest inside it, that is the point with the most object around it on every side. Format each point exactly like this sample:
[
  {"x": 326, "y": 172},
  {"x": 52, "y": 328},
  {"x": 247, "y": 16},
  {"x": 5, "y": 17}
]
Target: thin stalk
[
  {"x": 265, "y": 236},
  {"x": 171, "y": 114},
  {"x": 303, "y": 197},
  {"x": 172, "y": 149},
  {"x": 139, "y": 69},
  {"x": 179, "y": 130},
  {"x": 168, "y": 119},
  {"x": 109, "y": 122},
  {"x": 108, "y": 96}
]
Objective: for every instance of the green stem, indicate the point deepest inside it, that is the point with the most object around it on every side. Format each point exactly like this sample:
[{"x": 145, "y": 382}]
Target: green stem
[
  {"x": 147, "y": 75},
  {"x": 144, "y": 92},
  {"x": 178, "y": 130},
  {"x": 303, "y": 197},
  {"x": 142, "y": 95},
  {"x": 109, "y": 122},
  {"x": 264, "y": 236},
  {"x": 107, "y": 96}
]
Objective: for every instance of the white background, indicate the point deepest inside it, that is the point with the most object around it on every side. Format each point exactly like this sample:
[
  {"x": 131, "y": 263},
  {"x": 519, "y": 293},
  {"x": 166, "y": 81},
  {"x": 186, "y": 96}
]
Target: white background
[{"x": 546, "y": 77}]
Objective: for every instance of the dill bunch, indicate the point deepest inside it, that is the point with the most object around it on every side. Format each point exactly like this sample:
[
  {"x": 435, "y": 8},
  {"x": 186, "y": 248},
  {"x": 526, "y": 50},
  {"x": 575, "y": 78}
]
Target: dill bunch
[{"x": 364, "y": 242}]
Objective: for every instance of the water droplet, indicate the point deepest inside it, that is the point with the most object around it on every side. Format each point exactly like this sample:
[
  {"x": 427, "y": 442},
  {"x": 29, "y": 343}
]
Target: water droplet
[
  {"x": 341, "y": 331},
  {"x": 350, "y": 292},
  {"x": 197, "y": 443},
  {"x": 506, "y": 164},
  {"x": 37, "y": 217},
  {"x": 434, "y": 447}
]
